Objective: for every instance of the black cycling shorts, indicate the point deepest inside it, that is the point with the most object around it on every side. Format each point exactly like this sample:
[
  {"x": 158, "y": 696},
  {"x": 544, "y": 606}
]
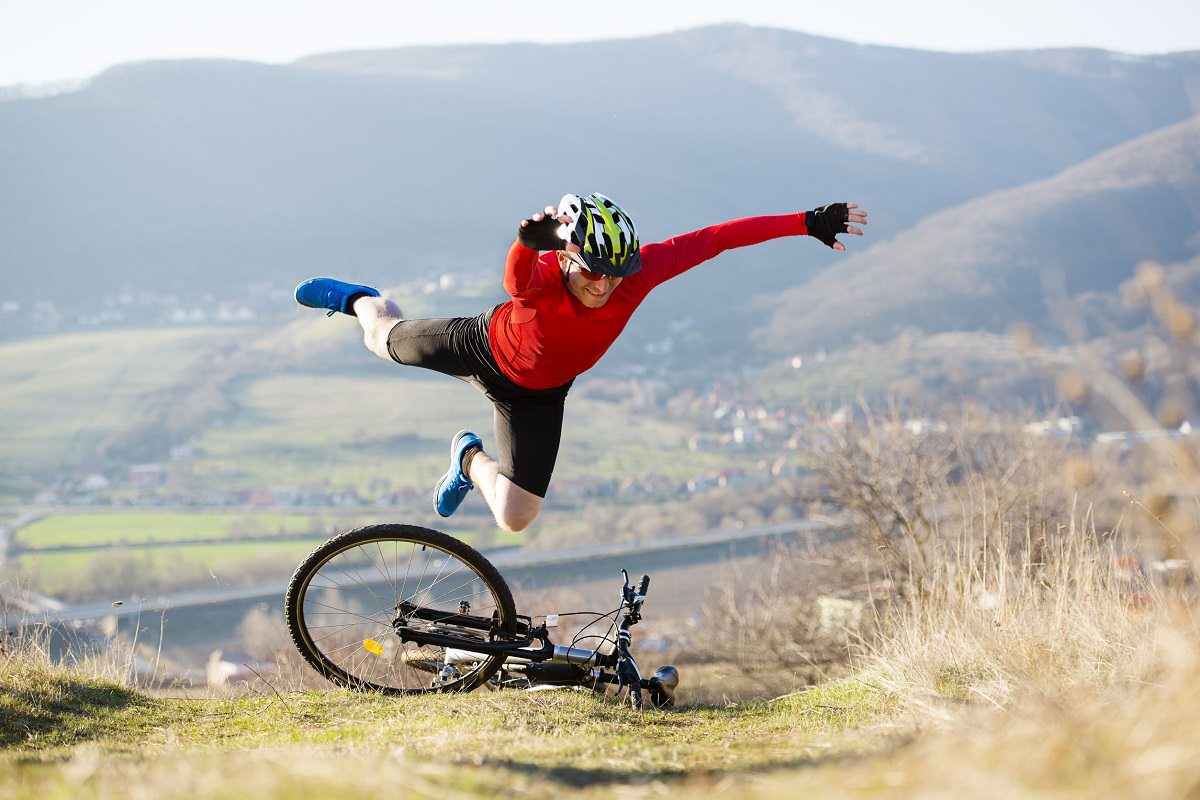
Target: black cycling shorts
[{"x": 528, "y": 422}]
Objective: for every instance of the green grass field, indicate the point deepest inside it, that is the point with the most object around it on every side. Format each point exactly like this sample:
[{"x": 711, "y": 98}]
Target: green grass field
[
  {"x": 133, "y": 528},
  {"x": 137, "y": 527},
  {"x": 310, "y": 430},
  {"x": 64, "y": 394},
  {"x": 394, "y": 428},
  {"x": 121, "y": 572},
  {"x": 123, "y": 559},
  {"x": 301, "y": 405}
]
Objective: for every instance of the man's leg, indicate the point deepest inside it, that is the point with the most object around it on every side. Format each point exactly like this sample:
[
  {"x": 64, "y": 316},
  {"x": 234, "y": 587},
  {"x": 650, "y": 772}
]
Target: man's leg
[
  {"x": 528, "y": 430},
  {"x": 376, "y": 315},
  {"x": 377, "y": 318},
  {"x": 427, "y": 345},
  {"x": 513, "y": 507}
]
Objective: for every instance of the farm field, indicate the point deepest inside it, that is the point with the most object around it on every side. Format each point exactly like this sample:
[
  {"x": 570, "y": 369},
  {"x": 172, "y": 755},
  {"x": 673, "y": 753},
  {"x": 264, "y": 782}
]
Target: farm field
[
  {"x": 123, "y": 572},
  {"x": 140, "y": 527},
  {"x": 296, "y": 406},
  {"x": 393, "y": 430},
  {"x": 145, "y": 551},
  {"x": 43, "y": 422}
]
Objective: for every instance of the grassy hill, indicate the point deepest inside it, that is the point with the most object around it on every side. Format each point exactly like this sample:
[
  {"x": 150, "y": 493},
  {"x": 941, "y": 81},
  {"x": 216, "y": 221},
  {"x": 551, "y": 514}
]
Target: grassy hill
[
  {"x": 297, "y": 744},
  {"x": 1012, "y": 256},
  {"x": 65, "y": 397},
  {"x": 925, "y": 371},
  {"x": 301, "y": 405},
  {"x": 73, "y": 736},
  {"x": 1019, "y": 638},
  {"x": 1058, "y": 685}
]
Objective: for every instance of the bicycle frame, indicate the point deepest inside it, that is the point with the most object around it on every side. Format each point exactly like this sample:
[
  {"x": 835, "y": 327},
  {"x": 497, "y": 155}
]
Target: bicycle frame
[{"x": 529, "y": 651}]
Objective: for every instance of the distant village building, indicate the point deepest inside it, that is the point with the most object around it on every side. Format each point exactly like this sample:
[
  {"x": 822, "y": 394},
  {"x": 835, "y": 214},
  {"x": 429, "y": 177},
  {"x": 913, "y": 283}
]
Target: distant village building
[
  {"x": 181, "y": 452},
  {"x": 285, "y": 495},
  {"x": 1126, "y": 439},
  {"x": 235, "y": 312},
  {"x": 1057, "y": 427},
  {"x": 917, "y": 427},
  {"x": 94, "y": 482},
  {"x": 146, "y": 475}
]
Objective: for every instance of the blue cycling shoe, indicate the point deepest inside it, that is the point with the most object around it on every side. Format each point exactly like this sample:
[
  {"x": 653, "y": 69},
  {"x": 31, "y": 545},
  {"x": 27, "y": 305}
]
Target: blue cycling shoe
[
  {"x": 331, "y": 294},
  {"x": 454, "y": 485}
]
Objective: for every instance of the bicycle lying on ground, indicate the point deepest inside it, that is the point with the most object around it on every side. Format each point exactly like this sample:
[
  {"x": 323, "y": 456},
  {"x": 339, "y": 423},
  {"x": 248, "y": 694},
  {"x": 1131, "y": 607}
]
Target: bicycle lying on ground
[{"x": 401, "y": 609}]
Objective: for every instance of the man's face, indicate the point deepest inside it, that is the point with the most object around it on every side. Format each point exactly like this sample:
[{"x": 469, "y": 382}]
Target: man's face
[{"x": 592, "y": 293}]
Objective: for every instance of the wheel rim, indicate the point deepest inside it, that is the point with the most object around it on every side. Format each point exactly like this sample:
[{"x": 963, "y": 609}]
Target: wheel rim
[{"x": 347, "y": 604}]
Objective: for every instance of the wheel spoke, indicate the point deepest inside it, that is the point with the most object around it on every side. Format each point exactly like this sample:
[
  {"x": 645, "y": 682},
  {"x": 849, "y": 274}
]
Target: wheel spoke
[
  {"x": 387, "y": 576},
  {"x": 358, "y": 579}
]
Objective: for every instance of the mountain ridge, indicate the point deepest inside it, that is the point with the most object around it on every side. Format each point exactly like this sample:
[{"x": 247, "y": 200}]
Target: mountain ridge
[
  {"x": 911, "y": 279},
  {"x": 211, "y": 176}
]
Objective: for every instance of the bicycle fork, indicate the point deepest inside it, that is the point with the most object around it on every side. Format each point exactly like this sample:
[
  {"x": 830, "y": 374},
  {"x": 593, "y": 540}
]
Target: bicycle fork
[{"x": 628, "y": 675}]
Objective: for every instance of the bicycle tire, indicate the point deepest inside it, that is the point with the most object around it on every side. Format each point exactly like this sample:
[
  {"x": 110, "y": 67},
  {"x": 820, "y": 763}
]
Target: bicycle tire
[{"x": 345, "y": 632}]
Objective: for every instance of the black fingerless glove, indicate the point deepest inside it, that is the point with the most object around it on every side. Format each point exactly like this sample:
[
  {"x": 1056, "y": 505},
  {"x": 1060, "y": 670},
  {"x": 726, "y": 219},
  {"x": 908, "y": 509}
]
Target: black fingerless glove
[
  {"x": 542, "y": 234},
  {"x": 827, "y": 222}
]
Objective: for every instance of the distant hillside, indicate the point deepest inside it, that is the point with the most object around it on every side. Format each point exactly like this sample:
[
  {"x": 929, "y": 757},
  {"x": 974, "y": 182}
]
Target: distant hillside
[
  {"x": 209, "y": 176},
  {"x": 1009, "y": 256}
]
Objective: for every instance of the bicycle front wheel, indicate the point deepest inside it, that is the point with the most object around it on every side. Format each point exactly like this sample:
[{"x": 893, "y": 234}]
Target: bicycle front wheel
[{"x": 345, "y": 597}]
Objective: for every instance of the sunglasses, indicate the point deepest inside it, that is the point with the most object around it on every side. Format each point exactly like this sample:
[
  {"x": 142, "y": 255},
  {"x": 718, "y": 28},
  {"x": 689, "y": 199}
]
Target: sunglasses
[{"x": 587, "y": 274}]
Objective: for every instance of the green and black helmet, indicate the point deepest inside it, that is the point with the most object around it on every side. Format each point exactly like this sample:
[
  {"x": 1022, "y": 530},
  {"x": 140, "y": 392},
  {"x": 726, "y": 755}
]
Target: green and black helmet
[{"x": 604, "y": 233}]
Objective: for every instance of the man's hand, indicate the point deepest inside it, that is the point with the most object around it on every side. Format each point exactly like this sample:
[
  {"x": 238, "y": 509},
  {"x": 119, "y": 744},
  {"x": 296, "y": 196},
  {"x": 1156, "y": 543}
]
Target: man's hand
[
  {"x": 544, "y": 231},
  {"x": 827, "y": 222}
]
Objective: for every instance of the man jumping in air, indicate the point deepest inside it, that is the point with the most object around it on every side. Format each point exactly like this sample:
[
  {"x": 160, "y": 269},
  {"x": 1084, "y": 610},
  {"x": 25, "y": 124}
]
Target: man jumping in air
[{"x": 568, "y": 306}]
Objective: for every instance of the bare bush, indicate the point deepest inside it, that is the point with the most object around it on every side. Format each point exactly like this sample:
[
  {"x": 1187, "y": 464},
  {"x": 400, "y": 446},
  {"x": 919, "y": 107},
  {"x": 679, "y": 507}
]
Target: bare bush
[
  {"x": 917, "y": 491},
  {"x": 770, "y": 625},
  {"x": 1003, "y": 551}
]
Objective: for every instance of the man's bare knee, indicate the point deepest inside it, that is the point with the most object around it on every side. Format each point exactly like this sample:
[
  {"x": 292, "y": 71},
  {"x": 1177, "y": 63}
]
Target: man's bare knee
[
  {"x": 513, "y": 507},
  {"x": 517, "y": 509},
  {"x": 375, "y": 338},
  {"x": 515, "y": 521},
  {"x": 377, "y": 316}
]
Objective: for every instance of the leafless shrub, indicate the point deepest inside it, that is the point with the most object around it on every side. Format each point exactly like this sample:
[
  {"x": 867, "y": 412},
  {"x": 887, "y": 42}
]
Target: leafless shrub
[
  {"x": 906, "y": 483},
  {"x": 1034, "y": 567},
  {"x": 768, "y": 622}
]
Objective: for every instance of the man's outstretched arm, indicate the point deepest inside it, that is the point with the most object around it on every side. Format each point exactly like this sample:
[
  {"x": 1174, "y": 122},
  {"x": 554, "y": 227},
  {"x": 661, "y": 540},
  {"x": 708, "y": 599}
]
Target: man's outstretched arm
[{"x": 681, "y": 253}]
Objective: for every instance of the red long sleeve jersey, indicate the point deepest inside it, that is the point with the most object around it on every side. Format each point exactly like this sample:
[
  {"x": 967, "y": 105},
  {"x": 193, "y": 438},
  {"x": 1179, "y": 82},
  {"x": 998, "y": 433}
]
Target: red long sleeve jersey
[{"x": 544, "y": 337}]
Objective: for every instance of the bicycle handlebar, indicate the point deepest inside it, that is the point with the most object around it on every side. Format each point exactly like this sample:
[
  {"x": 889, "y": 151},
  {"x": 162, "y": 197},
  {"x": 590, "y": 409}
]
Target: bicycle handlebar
[{"x": 629, "y": 593}]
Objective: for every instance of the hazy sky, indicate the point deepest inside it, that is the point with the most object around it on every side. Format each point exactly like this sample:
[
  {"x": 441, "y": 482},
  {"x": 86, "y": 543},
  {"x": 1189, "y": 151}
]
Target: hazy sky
[{"x": 50, "y": 40}]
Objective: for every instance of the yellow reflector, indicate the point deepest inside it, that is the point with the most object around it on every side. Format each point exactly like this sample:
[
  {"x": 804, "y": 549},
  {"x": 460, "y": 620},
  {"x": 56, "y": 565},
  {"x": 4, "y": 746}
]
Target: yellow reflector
[{"x": 373, "y": 647}]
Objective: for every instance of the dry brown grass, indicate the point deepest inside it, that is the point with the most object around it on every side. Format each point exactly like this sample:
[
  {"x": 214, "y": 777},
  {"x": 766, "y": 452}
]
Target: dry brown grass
[{"x": 1036, "y": 619}]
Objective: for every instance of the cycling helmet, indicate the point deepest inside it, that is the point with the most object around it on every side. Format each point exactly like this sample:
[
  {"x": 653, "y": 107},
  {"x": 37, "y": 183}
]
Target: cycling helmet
[{"x": 604, "y": 234}]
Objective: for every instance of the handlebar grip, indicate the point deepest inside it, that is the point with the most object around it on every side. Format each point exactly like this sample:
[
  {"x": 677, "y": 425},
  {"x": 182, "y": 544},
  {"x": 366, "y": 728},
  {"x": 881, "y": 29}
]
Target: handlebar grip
[{"x": 644, "y": 586}]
